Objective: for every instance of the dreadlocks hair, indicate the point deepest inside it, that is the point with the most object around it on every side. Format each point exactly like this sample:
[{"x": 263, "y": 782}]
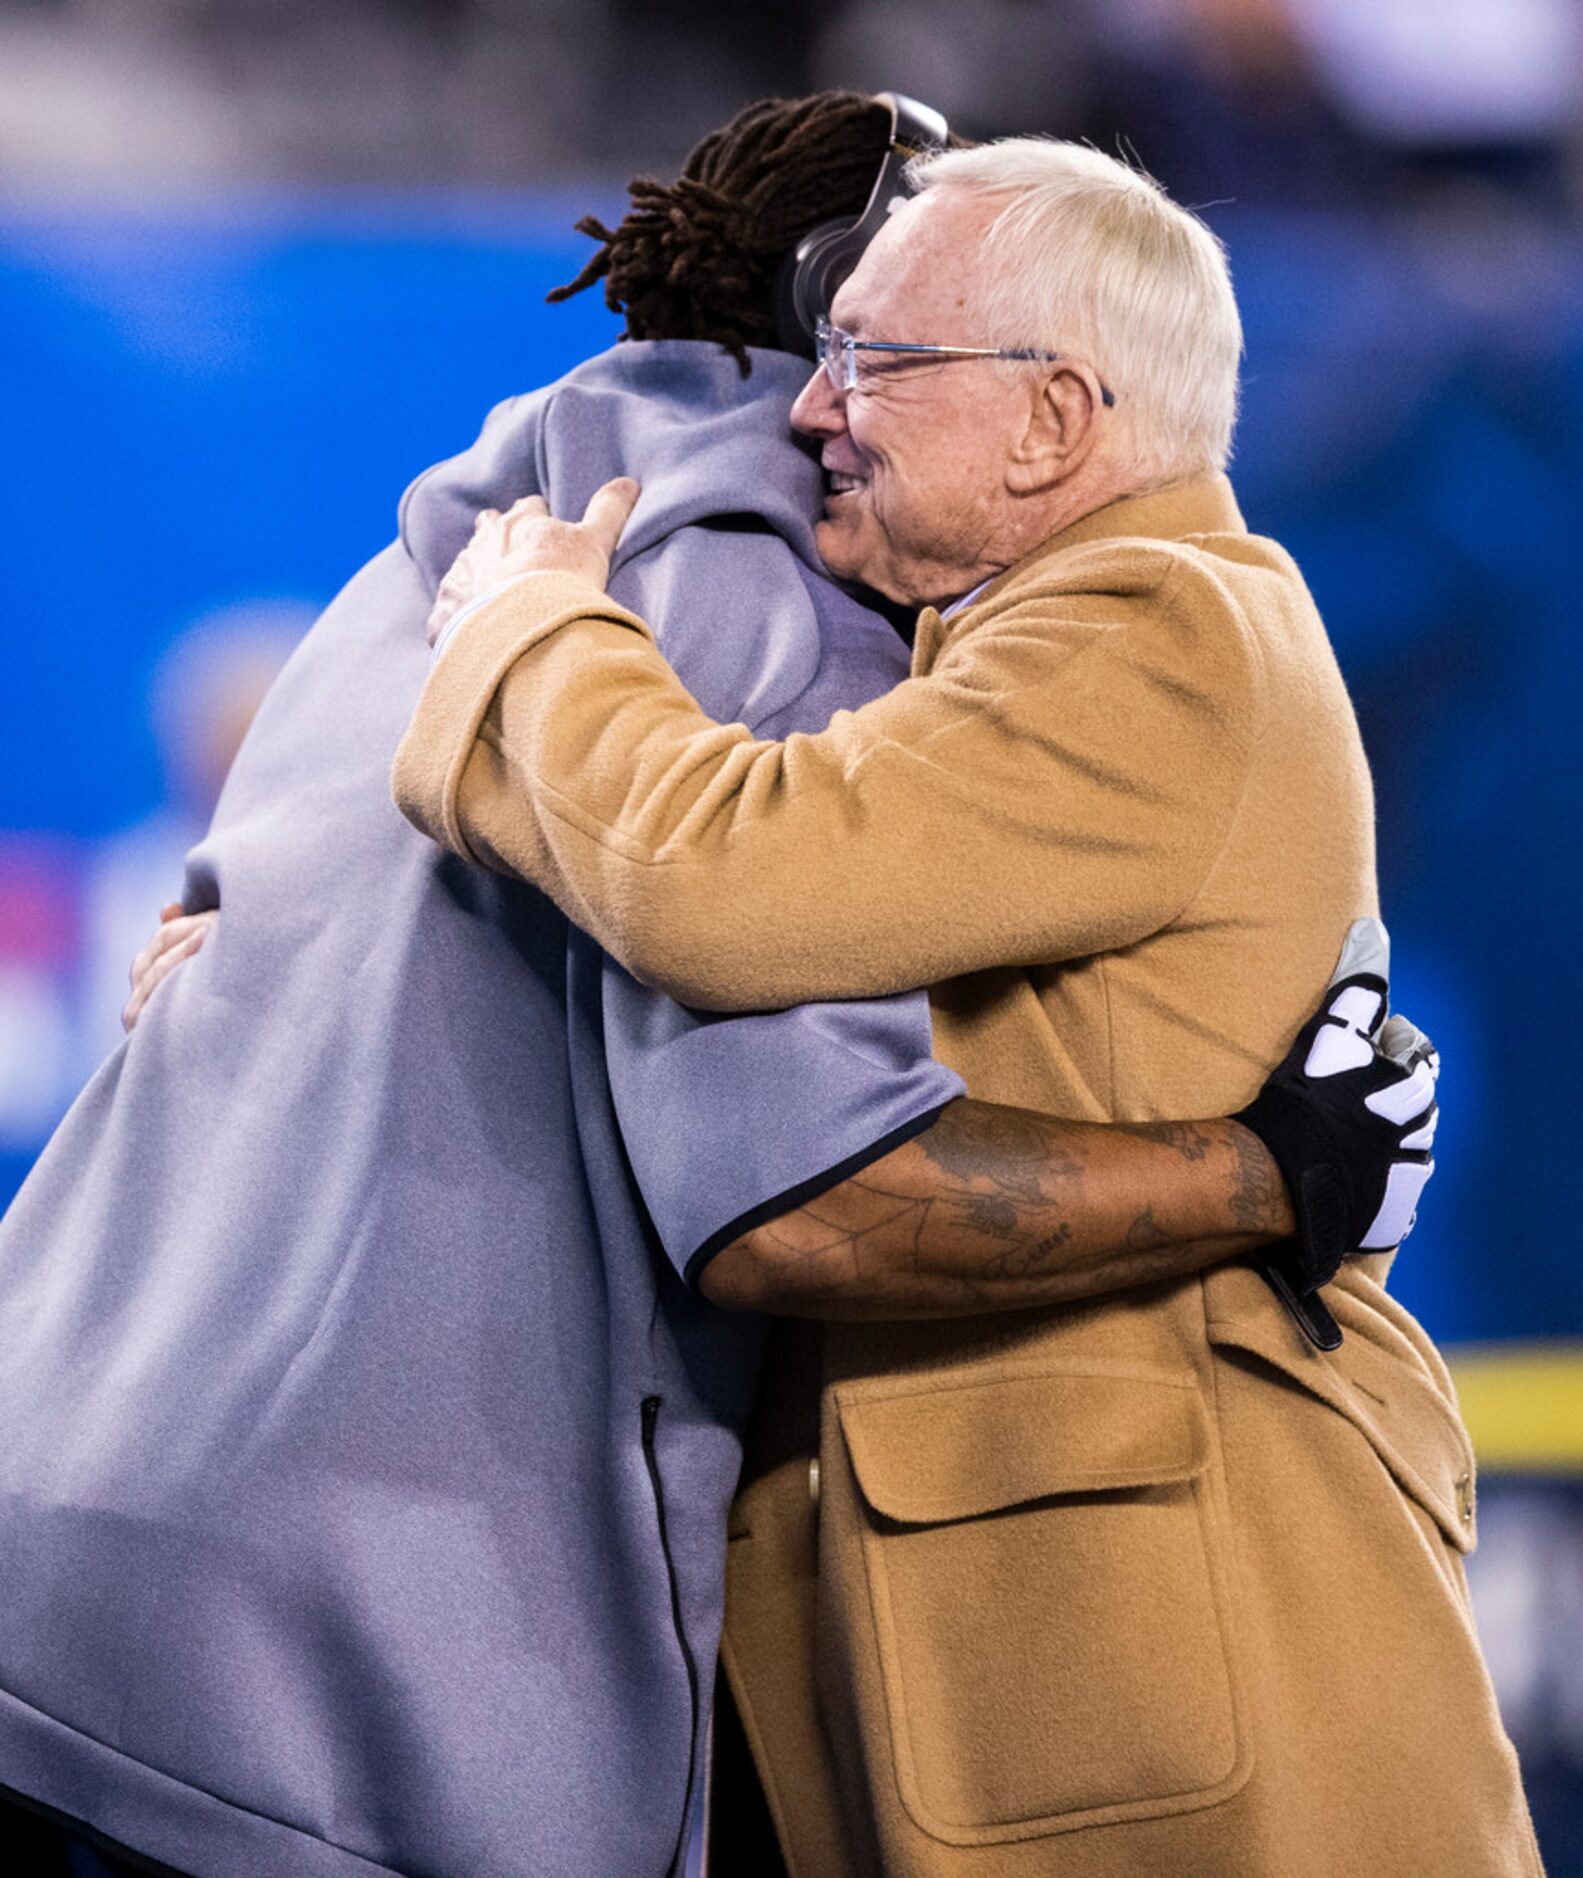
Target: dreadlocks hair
[{"x": 698, "y": 258}]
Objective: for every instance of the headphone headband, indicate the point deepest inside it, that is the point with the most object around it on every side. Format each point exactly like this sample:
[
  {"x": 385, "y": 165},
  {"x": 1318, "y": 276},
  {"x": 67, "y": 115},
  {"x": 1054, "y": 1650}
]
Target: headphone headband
[{"x": 825, "y": 256}]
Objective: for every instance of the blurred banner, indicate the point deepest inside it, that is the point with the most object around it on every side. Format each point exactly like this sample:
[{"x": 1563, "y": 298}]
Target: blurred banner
[{"x": 211, "y": 413}]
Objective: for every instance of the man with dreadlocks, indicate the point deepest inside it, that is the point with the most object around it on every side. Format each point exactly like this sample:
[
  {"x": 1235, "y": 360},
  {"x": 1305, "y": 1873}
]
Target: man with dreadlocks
[
  {"x": 700, "y": 258},
  {"x": 364, "y": 1456}
]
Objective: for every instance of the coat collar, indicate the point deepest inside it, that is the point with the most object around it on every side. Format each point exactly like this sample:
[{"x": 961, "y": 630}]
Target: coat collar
[{"x": 1203, "y": 506}]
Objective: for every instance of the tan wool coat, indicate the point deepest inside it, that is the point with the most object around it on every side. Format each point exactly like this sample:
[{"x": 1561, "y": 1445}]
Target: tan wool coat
[{"x": 1130, "y": 1589}]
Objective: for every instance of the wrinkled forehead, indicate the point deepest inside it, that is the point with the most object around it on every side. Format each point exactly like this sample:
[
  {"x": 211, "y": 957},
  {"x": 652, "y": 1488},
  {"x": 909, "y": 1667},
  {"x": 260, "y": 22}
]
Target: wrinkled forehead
[{"x": 920, "y": 271}]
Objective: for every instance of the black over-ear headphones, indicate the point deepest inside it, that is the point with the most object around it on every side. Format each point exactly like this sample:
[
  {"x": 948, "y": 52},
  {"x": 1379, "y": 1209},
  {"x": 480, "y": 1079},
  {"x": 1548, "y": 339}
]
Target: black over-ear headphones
[{"x": 824, "y": 257}]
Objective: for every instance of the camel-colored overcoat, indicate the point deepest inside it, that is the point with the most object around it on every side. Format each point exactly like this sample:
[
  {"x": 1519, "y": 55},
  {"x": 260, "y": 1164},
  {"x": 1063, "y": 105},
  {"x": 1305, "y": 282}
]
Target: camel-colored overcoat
[{"x": 1131, "y": 1589}]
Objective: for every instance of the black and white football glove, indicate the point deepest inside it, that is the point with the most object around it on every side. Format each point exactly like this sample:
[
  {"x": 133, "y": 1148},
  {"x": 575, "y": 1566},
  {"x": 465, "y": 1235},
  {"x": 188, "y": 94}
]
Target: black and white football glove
[{"x": 1349, "y": 1118}]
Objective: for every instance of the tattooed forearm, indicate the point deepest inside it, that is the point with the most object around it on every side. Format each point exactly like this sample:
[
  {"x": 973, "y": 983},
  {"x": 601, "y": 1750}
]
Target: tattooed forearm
[
  {"x": 975, "y": 1138},
  {"x": 1260, "y": 1194},
  {"x": 1146, "y": 1234},
  {"x": 1187, "y": 1139},
  {"x": 996, "y": 1208}
]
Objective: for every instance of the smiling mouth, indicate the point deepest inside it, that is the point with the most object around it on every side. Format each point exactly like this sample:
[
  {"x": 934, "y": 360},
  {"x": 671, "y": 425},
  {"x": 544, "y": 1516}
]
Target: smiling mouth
[{"x": 840, "y": 484}]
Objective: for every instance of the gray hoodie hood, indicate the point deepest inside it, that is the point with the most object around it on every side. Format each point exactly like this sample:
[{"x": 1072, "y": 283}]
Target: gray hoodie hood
[{"x": 676, "y": 414}]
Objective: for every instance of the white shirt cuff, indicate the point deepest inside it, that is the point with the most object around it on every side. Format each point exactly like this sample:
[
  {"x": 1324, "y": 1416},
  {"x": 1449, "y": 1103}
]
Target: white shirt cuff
[{"x": 449, "y": 629}]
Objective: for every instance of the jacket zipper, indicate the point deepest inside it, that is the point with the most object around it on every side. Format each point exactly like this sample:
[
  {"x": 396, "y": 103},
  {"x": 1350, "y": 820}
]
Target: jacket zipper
[{"x": 651, "y": 1417}]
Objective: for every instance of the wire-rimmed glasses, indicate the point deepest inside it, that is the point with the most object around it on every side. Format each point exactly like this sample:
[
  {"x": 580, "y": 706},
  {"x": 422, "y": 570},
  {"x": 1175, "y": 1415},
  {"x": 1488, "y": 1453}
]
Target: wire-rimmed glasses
[{"x": 836, "y": 351}]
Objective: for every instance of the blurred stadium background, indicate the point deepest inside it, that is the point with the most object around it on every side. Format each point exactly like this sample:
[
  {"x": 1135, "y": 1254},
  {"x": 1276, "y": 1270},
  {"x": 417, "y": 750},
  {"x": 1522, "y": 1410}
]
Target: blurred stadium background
[{"x": 263, "y": 260}]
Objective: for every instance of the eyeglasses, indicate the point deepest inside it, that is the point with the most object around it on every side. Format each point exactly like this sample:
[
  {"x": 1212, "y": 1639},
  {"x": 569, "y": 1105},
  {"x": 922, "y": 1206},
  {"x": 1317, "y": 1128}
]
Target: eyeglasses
[{"x": 836, "y": 351}]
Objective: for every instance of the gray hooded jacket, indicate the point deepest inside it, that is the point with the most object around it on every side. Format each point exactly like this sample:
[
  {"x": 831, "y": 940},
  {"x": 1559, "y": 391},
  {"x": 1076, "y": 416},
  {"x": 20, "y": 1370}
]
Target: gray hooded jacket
[{"x": 364, "y": 1455}]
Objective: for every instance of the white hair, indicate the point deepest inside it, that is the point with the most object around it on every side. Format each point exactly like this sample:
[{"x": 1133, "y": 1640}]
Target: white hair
[{"x": 1091, "y": 258}]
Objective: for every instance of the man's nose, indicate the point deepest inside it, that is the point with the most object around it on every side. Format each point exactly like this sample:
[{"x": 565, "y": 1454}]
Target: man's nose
[{"x": 819, "y": 412}]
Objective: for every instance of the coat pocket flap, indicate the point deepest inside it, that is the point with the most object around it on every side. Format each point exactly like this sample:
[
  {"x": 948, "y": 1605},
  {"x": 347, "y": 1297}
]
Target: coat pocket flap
[
  {"x": 1406, "y": 1419},
  {"x": 934, "y": 1449}
]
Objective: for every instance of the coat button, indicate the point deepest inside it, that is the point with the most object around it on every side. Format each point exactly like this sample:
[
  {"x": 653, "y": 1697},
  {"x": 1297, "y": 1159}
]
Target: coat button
[
  {"x": 813, "y": 1480},
  {"x": 1465, "y": 1498}
]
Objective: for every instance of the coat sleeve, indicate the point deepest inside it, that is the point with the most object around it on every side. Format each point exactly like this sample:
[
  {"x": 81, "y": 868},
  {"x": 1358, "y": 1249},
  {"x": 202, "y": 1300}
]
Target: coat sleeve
[{"x": 1060, "y": 783}]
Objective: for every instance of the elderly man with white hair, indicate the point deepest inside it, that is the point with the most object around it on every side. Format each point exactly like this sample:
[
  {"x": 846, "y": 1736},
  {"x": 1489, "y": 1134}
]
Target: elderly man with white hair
[{"x": 1165, "y": 1582}]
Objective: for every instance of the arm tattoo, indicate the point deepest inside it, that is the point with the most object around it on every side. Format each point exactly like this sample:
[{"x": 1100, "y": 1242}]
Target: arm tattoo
[
  {"x": 1146, "y": 1234},
  {"x": 1259, "y": 1191},
  {"x": 1184, "y": 1138},
  {"x": 992, "y": 1208},
  {"x": 971, "y": 1141}
]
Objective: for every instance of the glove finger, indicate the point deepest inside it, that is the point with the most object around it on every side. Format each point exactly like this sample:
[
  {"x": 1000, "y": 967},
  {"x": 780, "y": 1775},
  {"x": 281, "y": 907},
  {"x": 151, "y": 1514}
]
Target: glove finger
[
  {"x": 1423, "y": 1136},
  {"x": 1343, "y": 1040},
  {"x": 1405, "y": 1098},
  {"x": 1365, "y": 954},
  {"x": 1407, "y": 1233},
  {"x": 1358, "y": 992},
  {"x": 1403, "y": 1185},
  {"x": 1403, "y": 1042}
]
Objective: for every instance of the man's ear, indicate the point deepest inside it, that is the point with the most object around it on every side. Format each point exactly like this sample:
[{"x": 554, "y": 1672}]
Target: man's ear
[{"x": 1062, "y": 428}]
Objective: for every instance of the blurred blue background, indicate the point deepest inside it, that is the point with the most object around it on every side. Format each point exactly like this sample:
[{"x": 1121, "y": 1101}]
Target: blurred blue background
[{"x": 259, "y": 265}]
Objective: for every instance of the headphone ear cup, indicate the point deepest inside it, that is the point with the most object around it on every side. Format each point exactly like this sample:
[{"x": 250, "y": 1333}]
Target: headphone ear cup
[
  {"x": 810, "y": 278},
  {"x": 808, "y": 281}
]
